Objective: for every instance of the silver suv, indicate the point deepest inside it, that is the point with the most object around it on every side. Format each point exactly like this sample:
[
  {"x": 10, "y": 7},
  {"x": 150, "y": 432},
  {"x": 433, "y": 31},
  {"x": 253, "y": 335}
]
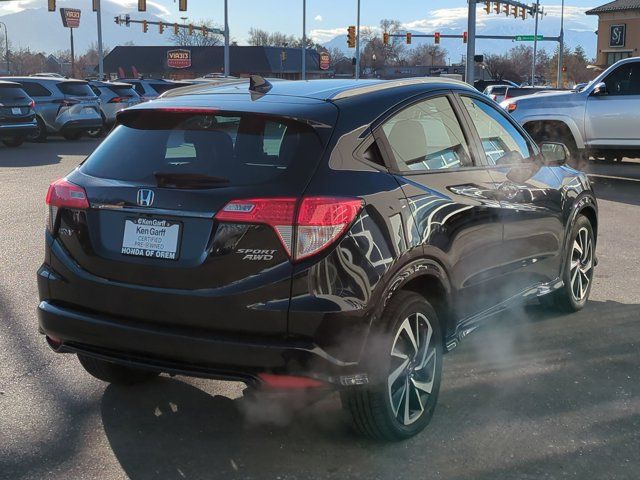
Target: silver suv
[
  {"x": 64, "y": 107},
  {"x": 150, "y": 88},
  {"x": 600, "y": 120},
  {"x": 114, "y": 96}
]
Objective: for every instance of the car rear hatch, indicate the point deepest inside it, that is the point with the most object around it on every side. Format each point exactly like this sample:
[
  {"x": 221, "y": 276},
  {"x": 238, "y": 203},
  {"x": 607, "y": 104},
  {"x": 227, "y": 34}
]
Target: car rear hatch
[
  {"x": 125, "y": 95},
  {"x": 154, "y": 187},
  {"x": 15, "y": 104},
  {"x": 78, "y": 100}
]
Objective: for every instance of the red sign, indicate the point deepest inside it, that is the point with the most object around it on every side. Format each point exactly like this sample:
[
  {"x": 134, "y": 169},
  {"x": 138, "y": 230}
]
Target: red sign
[
  {"x": 325, "y": 61},
  {"x": 70, "y": 17},
  {"x": 179, "y": 58}
]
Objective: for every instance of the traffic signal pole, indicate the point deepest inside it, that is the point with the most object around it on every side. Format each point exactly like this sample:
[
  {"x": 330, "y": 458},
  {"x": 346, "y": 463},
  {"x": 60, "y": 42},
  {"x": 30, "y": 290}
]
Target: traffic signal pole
[
  {"x": 100, "y": 52},
  {"x": 304, "y": 40},
  {"x": 226, "y": 38},
  {"x": 535, "y": 46},
  {"x": 471, "y": 44},
  {"x": 561, "y": 50},
  {"x": 358, "y": 43}
]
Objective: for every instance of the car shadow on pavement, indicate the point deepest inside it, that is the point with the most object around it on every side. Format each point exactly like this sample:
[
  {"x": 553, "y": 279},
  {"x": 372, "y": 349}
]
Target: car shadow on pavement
[
  {"x": 31, "y": 154},
  {"x": 528, "y": 394},
  {"x": 616, "y": 182}
]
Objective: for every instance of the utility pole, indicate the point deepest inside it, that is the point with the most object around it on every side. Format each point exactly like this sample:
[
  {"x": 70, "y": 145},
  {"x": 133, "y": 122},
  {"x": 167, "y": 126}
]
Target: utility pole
[
  {"x": 73, "y": 57},
  {"x": 561, "y": 51},
  {"x": 358, "y": 43},
  {"x": 100, "y": 52},
  {"x": 6, "y": 45},
  {"x": 471, "y": 44},
  {"x": 226, "y": 38},
  {"x": 304, "y": 39},
  {"x": 535, "y": 46}
]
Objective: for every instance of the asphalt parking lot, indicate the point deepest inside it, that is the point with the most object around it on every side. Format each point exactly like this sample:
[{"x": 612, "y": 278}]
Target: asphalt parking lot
[{"x": 531, "y": 395}]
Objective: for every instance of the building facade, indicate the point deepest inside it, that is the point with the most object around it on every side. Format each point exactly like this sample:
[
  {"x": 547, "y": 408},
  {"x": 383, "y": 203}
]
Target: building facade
[{"x": 618, "y": 30}]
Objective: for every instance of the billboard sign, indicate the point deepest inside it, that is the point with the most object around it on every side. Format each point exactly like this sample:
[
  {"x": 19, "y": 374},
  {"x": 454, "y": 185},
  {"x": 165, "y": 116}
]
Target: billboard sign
[
  {"x": 70, "y": 17},
  {"x": 179, "y": 58},
  {"x": 325, "y": 61},
  {"x": 617, "y": 35}
]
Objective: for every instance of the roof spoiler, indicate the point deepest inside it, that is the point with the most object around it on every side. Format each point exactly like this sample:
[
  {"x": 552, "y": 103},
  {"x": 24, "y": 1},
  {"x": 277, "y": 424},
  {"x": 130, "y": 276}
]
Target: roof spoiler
[{"x": 257, "y": 84}]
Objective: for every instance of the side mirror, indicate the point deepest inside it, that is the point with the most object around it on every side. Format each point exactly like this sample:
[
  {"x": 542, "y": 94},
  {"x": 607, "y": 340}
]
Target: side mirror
[
  {"x": 554, "y": 153},
  {"x": 599, "y": 90}
]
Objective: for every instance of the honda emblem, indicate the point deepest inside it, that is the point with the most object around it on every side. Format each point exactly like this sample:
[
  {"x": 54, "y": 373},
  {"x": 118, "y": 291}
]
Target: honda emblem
[{"x": 145, "y": 197}]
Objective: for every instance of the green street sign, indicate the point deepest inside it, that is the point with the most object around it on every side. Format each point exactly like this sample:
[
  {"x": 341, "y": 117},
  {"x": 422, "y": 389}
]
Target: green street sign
[{"x": 528, "y": 38}]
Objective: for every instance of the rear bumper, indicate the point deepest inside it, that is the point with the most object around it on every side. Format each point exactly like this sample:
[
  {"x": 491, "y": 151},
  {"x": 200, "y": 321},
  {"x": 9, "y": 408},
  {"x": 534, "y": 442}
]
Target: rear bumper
[
  {"x": 185, "y": 351},
  {"x": 81, "y": 125},
  {"x": 17, "y": 129}
]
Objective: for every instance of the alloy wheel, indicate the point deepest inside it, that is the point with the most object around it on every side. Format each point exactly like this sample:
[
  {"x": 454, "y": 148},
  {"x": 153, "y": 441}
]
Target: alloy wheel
[
  {"x": 413, "y": 368},
  {"x": 581, "y": 268}
]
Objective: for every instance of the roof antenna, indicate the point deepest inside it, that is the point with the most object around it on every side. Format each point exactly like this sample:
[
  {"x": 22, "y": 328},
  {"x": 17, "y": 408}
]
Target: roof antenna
[{"x": 257, "y": 84}]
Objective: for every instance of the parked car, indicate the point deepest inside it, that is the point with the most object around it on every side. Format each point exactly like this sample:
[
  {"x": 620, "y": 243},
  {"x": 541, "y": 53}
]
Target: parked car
[
  {"x": 330, "y": 234},
  {"x": 150, "y": 88},
  {"x": 514, "y": 92},
  {"x": 496, "y": 92},
  {"x": 48, "y": 75},
  {"x": 64, "y": 107},
  {"x": 481, "y": 85},
  {"x": 114, "y": 96},
  {"x": 601, "y": 119},
  {"x": 17, "y": 114}
]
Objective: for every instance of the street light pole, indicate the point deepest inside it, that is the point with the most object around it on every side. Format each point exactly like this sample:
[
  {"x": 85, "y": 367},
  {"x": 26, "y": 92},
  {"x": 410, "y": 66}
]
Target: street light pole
[
  {"x": 358, "y": 43},
  {"x": 226, "y": 38},
  {"x": 6, "y": 45},
  {"x": 100, "y": 52},
  {"x": 561, "y": 51},
  {"x": 304, "y": 39},
  {"x": 471, "y": 44},
  {"x": 535, "y": 46}
]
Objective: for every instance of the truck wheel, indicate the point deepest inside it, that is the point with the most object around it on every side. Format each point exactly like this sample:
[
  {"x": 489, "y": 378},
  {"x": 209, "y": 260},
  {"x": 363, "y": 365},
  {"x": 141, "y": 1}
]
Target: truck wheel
[
  {"x": 13, "y": 141},
  {"x": 114, "y": 373},
  {"x": 405, "y": 364}
]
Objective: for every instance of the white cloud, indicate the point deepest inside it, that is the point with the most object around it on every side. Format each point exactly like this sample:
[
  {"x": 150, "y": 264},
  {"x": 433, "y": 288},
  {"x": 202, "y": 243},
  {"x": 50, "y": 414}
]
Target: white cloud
[{"x": 318, "y": 18}]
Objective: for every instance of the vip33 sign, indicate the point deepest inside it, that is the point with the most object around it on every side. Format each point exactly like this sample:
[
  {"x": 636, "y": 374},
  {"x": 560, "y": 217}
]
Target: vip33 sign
[
  {"x": 70, "y": 17},
  {"x": 180, "y": 58}
]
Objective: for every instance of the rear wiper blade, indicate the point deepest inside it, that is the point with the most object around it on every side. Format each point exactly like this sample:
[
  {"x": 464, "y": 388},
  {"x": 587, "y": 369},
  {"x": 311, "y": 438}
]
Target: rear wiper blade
[{"x": 188, "y": 180}]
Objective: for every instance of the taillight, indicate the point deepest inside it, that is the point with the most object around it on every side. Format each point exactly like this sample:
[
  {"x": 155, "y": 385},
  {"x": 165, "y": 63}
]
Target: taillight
[
  {"x": 512, "y": 107},
  {"x": 314, "y": 223},
  {"x": 119, "y": 100},
  {"x": 64, "y": 194},
  {"x": 65, "y": 102},
  {"x": 494, "y": 97},
  {"x": 32, "y": 104}
]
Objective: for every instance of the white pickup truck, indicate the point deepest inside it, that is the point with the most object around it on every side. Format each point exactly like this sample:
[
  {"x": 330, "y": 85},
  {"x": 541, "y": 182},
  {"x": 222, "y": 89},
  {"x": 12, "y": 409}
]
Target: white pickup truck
[{"x": 601, "y": 120}]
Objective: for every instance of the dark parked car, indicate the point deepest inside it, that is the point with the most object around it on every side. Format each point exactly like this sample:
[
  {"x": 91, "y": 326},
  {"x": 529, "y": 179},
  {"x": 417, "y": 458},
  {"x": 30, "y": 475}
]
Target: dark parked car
[
  {"x": 315, "y": 235},
  {"x": 17, "y": 114}
]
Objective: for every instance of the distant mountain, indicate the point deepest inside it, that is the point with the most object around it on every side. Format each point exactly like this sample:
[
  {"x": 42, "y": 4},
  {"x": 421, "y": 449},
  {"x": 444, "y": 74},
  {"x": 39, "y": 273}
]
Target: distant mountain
[
  {"x": 575, "y": 33},
  {"x": 41, "y": 30}
]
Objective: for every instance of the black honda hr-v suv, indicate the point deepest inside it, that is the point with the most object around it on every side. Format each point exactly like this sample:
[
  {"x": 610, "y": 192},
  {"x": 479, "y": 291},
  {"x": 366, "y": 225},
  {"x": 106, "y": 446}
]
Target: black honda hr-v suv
[{"x": 321, "y": 234}]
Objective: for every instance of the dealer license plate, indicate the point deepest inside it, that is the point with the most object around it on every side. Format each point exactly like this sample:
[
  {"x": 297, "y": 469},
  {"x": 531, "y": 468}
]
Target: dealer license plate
[{"x": 151, "y": 238}]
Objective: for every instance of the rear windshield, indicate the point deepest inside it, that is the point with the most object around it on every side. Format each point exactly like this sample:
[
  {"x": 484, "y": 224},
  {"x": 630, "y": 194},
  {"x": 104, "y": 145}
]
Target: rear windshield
[
  {"x": 163, "y": 87},
  {"x": 76, "y": 89},
  {"x": 243, "y": 149},
  {"x": 12, "y": 93},
  {"x": 123, "y": 91}
]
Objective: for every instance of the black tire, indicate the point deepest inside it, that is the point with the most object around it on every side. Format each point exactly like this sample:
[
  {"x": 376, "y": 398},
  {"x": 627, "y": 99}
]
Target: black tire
[
  {"x": 72, "y": 136},
  {"x": 114, "y": 373},
  {"x": 371, "y": 406},
  {"x": 97, "y": 133},
  {"x": 565, "y": 299},
  {"x": 13, "y": 142},
  {"x": 40, "y": 135}
]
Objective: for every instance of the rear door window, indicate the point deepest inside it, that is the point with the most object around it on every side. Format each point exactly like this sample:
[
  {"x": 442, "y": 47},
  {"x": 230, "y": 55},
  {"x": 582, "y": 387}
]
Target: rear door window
[
  {"x": 34, "y": 89},
  {"x": 163, "y": 87},
  {"x": 232, "y": 149},
  {"x": 76, "y": 89},
  {"x": 123, "y": 91},
  {"x": 427, "y": 136}
]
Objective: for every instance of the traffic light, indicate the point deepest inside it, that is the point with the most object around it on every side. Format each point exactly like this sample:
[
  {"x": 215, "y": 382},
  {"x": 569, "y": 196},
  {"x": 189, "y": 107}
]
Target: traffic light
[
  {"x": 117, "y": 20},
  {"x": 351, "y": 37},
  {"x": 283, "y": 55},
  {"x": 496, "y": 7},
  {"x": 142, "y": 5},
  {"x": 145, "y": 26},
  {"x": 385, "y": 38},
  {"x": 95, "y": 4},
  {"x": 408, "y": 38},
  {"x": 127, "y": 20},
  {"x": 523, "y": 13},
  {"x": 465, "y": 37},
  {"x": 515, "y": 12},
  {"x": 190, "y": 29},
  {"x": 506, "y": 10},
  {"x": 182, "y": 5},
  {"x": 51, "y": 5},
  {"x": 436, "y": 38},
  {"x": 161, "y": 28},
  {"x": 487, "y": 7},
  {"x": 176, "y": 29}
]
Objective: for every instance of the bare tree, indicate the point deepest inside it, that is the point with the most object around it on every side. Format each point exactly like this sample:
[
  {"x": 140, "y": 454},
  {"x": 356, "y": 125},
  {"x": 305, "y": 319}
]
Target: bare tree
[
  {"x": 427, "y": 54},
  {"x": 258, "y": 37},
  {"x": 198, "y": 38}
]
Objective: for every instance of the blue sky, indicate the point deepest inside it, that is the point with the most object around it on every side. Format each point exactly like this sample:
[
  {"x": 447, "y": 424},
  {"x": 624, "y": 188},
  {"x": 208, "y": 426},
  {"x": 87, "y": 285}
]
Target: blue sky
[{"x": 325, "y": 18}]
